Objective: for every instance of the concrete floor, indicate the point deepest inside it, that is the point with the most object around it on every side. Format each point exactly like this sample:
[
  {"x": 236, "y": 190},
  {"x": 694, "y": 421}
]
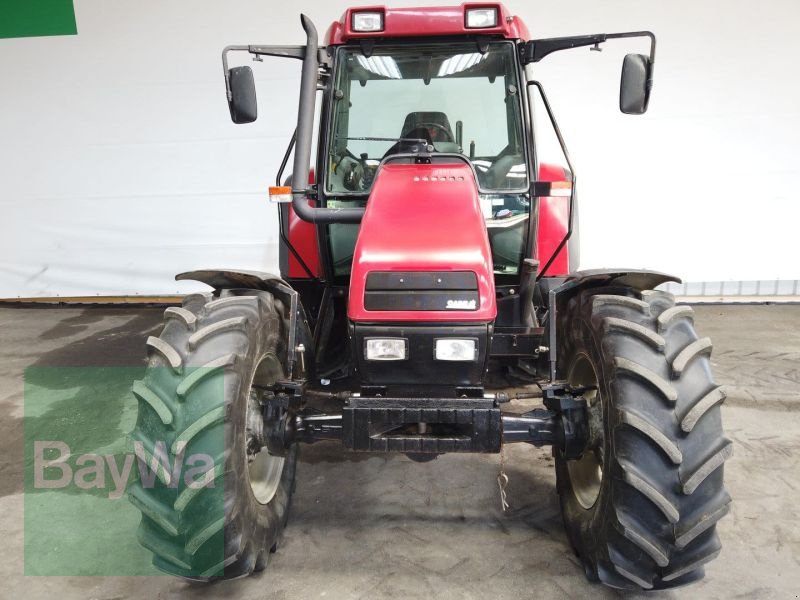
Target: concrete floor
[{"x": 383, "y": 526}]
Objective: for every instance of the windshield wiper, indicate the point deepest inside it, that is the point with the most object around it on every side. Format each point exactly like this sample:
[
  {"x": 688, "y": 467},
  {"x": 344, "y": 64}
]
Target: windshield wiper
[{"x": 383, "y": 139}]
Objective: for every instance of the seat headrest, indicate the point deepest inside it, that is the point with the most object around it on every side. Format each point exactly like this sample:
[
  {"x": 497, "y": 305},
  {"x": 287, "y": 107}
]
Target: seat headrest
[{"x": 415, "y": 119}]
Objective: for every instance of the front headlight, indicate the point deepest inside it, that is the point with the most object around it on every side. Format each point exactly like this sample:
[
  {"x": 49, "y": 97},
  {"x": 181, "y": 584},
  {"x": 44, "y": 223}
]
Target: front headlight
[
  {"x": 456, "y": 349},
  {"x": 481, "y": 18},
  {"x": 386, "y": 348},
  {"x": 367, "y": 21}
]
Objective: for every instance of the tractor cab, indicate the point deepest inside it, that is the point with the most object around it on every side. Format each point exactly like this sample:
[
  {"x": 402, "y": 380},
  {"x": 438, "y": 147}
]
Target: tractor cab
[
  {"x": 429, "y": 205},
  {"x": 443, "y": 98}
]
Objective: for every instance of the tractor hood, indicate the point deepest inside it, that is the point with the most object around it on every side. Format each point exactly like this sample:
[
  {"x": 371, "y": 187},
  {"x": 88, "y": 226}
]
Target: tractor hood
[{"x": 422, "y": 252}]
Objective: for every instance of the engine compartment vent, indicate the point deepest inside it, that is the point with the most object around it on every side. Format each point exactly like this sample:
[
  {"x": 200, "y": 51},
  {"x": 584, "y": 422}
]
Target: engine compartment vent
[{"x": 422, "y": 290}]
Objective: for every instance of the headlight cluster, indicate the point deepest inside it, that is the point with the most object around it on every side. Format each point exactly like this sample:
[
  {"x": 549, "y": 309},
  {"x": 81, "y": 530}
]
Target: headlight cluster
[
  {"x": 372, "y": 21},
  {"x": 448, "y": 349}
]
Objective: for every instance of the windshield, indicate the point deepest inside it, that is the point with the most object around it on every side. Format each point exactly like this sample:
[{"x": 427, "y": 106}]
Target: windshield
[{"x": 445, "y": 98}]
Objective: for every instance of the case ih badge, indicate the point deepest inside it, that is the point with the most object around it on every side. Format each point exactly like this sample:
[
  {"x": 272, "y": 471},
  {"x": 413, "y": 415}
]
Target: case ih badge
[{"x": 429, "y": 244}]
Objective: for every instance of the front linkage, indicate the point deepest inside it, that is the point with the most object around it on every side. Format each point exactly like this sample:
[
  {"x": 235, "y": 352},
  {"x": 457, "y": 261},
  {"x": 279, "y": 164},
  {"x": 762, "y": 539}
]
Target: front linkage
[{"x": 425, "y": 425}]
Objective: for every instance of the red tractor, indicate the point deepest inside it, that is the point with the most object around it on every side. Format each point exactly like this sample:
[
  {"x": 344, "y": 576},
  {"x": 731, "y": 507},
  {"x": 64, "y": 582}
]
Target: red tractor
[{"x": 428, "y": 247}]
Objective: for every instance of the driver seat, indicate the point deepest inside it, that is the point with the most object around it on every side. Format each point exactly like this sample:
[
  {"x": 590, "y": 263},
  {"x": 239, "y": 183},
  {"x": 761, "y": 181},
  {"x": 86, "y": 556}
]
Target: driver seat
[{"x": 416, "y": 119}]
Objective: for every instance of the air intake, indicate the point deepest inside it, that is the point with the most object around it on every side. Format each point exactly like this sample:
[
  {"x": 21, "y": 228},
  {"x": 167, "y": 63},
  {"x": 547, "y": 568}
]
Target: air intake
[{"x": 422, "y": 290}]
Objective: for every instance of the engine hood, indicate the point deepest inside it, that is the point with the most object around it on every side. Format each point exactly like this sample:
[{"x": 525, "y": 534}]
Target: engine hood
[{"x": 423, "y": 220}]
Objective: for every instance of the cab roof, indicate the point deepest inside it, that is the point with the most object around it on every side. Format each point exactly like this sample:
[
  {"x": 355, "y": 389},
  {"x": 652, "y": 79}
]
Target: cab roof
[{"x": 428, "y": 21}]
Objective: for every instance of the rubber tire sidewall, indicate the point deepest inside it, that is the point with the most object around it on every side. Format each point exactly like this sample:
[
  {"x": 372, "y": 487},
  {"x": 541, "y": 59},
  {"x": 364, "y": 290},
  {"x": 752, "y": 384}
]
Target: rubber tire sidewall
[{"x": 582, "y": 525}]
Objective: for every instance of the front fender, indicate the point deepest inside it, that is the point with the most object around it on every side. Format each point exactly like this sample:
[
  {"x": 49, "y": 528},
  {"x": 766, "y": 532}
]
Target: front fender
[
  {"x": 638, "y": 279},
  {"x": 294, "y": 316},
  {"x": 223, "y": 279},
  {"x": 635, "y": 279}
]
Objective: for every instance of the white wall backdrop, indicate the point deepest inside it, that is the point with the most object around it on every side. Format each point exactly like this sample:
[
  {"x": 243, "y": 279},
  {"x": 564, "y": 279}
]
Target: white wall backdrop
[{"x": 119, "y": 166}]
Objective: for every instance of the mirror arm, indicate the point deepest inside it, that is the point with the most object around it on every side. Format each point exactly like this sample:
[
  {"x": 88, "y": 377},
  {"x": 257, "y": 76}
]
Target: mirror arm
[
  {"x": 225, "y": 51},
  {"x": 297, "y": 52},
  {"x": 536, "y": 50}
]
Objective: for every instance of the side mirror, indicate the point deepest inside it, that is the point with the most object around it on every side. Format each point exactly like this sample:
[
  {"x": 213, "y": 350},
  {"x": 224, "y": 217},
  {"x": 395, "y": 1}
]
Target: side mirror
[
  {"x": 634, "y": 89},
  {"x": 242, "y": 95}
]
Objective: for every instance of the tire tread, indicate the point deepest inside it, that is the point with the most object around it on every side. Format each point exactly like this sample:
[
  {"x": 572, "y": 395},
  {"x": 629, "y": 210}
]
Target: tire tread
[{"x": 657, "y": 530}]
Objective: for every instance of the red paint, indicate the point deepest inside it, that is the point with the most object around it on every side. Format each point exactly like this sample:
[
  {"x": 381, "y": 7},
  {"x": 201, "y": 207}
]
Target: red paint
[
  {"x": 411, "y": 224},
  {"x": 303, "y": 236},
  {"x": 553, "y": 224},
  {"x": 426, "y": 21}
]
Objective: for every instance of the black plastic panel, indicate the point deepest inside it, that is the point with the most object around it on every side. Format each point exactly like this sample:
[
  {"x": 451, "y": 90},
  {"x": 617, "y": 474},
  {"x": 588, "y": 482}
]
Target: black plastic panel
[
  {"x": 460, "y": 300},
  {"x": 454, "y": 425},
  {"x": 422, "y": 280},
  {"x": 420, "y": 369},
  {"x": 516, "y": 341}
]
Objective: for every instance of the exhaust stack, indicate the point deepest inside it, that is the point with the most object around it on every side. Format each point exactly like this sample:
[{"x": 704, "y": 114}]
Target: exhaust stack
[{"x": 305, "y": 133}]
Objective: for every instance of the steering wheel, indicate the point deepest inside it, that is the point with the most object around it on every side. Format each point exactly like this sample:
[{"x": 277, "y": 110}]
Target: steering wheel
[
  {"x": 354, "y": 175},
  {"x": 438, "y": 127}
]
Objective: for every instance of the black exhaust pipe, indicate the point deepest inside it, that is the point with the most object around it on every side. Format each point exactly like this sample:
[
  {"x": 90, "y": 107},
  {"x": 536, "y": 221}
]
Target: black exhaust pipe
[{"x": 305, "y": 133}]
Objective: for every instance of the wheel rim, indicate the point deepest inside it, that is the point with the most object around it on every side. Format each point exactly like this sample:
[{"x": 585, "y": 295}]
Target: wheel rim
[
  {"x": 264, "y": 470},
  {"x": 586, "y": 473},
  {"x": 265, "y": 473}
]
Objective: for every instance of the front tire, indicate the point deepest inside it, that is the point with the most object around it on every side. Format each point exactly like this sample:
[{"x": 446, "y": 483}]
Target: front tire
[
  {"x": 641, "y": 505},
  {"x": 195, "y": 399}
]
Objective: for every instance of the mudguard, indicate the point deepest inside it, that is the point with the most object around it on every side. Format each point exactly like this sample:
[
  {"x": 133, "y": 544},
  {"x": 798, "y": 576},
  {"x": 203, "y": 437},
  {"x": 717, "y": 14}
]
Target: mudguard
[
  {"x": 294, "y": 316},
  {"x": 637, "y": 279}
]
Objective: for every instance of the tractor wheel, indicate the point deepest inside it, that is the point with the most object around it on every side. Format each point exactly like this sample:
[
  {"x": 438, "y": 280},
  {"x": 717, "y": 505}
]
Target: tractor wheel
[
  {"x": 641, "y": 504},
  {"x": 199, "y": 398}
]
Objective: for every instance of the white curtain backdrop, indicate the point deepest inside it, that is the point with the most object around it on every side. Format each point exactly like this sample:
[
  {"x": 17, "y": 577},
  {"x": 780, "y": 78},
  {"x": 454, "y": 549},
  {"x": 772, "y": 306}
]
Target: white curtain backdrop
[{"x": 119, "y": 166}]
